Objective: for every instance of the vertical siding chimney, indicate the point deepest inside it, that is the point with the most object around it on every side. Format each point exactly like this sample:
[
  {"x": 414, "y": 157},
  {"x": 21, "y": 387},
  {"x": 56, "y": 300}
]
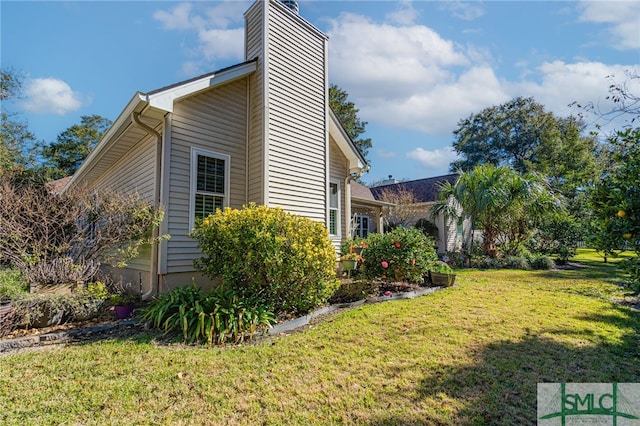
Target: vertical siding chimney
[{"x": 293, "y": 5}]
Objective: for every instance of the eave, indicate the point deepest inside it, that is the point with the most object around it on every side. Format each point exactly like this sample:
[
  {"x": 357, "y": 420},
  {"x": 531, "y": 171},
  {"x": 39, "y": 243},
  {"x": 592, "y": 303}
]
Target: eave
[{"x": 356, "y": 162}]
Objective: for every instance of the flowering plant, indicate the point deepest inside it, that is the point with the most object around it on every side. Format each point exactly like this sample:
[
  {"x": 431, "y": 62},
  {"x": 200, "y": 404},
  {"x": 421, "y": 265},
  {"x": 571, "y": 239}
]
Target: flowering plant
[
  {"x": 352, "y": 256},
  {"x": 401, "y": 255}
]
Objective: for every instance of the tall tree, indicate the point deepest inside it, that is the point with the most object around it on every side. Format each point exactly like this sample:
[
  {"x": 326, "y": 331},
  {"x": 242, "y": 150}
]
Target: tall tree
[
  {"x": 507, "y": 134},
  {"x": 522, "y": 134},
  {"x": 15, "y": 138},
  {"x": 72, "y": 146},
  {"x": 348, "y": 115}
]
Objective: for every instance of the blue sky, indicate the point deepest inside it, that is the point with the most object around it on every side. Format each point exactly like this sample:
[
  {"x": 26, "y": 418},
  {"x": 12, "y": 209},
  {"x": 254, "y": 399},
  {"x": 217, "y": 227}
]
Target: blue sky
[{"x": 414, "y": 69}]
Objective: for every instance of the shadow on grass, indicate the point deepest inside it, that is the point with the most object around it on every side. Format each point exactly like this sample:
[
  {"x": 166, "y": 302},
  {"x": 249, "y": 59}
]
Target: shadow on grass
[{"x": 500, "y": 386}]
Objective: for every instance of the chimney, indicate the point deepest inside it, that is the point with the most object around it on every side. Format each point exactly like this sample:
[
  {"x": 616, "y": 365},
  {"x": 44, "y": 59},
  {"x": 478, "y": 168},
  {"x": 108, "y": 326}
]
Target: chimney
[{"x": 293, "y": 5}]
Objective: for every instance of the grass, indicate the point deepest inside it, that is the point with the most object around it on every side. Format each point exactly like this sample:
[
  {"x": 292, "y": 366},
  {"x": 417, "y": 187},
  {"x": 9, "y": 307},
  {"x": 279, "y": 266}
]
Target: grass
[{"x": 471, "y": 354}]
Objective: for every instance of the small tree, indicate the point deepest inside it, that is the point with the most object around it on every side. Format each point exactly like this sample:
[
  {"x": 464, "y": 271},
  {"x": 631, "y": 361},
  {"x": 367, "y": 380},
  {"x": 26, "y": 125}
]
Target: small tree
[
  {"x": 55, "y": 239},
  {"x": 404, "y": 213},
  {"x": 558, "y": 234},
  {"x": 616, "y": 199},
  {"x": 499, "y": 201}
]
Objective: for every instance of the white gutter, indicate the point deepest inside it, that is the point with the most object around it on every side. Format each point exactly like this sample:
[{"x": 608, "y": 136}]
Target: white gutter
[
  {"x": 155, "y": 282},
  {"x": 109, "y": 138}
]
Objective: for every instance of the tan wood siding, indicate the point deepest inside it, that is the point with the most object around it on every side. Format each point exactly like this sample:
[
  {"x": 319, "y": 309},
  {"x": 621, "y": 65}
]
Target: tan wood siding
[
  {"x": 213, "y": 121},
  {"x": 297, "y": 108},
  {"x": 134, "y": 172},
  {"x": 254, "y": 41},
  {"x": 338, "y": 171}
]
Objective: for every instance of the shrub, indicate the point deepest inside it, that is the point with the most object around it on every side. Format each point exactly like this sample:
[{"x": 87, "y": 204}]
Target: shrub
[
  {"x": 286, "y": 260},
  {"x": 403, "y": 254},
  {"x": 559, "y": 234},
  {"x": 440, "y": 267},
  {"x": 632, "y": 267},
  {"x": 352, "y": 291},
  {"x": 542, "y": 262},
  {"x": 58, "y": 308},
  {"x": 516, "y": 262},
  {"x": 12, "y": 285},
  {"x": 63, "y": 238},
  {"x": 427, "y": 227},
  {"x": 216, "y": 316}
]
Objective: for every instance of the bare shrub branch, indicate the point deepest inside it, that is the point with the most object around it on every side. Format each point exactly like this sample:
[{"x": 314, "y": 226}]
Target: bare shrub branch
[{"x": 66, "y": 237}]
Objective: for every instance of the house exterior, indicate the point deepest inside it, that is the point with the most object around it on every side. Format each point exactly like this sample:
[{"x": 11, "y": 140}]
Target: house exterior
[
  {"x": 452, "y": 234},
  {"x": 260, "y": 131},
  {"x": 366, "y": 211}
]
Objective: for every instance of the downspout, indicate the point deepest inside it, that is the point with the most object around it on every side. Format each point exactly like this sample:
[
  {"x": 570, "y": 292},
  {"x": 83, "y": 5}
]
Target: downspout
[
  {"x": 155, "y": 282},
  {"x": 347, "y": 205}
]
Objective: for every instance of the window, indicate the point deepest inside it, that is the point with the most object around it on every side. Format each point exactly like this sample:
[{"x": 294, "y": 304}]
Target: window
[
  {"x": 334, "y": 208},
  {"x": 361, "y": 225},
  {"x": 209, "y": 183}
]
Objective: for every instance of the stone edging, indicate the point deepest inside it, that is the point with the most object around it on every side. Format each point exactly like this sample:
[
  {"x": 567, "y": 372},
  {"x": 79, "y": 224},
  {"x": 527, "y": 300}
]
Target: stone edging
[
  {"x": 66, "y": 336},
  {"x": 63, "y": 336},
  {"x": 305, "y": 320}
]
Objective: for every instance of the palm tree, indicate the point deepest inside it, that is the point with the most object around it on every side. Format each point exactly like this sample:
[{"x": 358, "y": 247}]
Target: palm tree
[{"x": 498, "y": 200}]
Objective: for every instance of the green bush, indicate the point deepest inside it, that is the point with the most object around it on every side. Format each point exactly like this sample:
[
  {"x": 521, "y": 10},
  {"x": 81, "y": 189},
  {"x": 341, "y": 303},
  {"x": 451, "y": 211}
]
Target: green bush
[
  {"x": 632, "y": 267},
  {"x": 286, "y": 260},
  {"x": 516, "y": 262},
  {"x": 403, "y": 254},
  {"x": 58, "y": 308},
  {"x": 542, "y": 262},
  {"x": 440, "y": 267},
  {"x": 12, "y": 285},
  {"x": 513, "y": 262},
  {"x": 216, "y": 316}
]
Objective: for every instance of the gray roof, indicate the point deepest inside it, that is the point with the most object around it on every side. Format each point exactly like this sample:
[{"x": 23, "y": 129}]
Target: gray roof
[{"x": 425, "y": 190}]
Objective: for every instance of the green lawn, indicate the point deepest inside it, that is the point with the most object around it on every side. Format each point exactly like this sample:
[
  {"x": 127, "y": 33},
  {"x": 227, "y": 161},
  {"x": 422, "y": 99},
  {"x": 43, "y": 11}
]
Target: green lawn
[{"x": 471, "y": 354}]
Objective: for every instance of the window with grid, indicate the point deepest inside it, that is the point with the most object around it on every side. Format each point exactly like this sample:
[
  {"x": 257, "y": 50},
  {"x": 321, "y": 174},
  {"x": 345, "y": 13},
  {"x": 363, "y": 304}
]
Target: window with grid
[
  {"x": 334, "y": 208},
  {"x": 209, "y": 183},
  {"x": 361, "y": 223}
]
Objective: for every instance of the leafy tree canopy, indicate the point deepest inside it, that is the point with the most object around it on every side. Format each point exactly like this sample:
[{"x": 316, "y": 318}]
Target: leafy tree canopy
[
  {"x": 348, "y": 115},
  {"x": 66, "y": 154},
  {"x": 615, "y": 200},
  {"x": 503, "y": 203},
  {"x": 520, "y": 133},
  {"x": 16, "y": 141}
]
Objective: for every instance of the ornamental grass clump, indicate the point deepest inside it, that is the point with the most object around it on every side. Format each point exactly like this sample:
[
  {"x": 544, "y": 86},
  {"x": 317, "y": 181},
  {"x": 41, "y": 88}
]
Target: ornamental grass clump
[
  {"x": 286, "y": 260},
  {"x": 216, "y": 316},
  {"x": 403, "y": 254}
]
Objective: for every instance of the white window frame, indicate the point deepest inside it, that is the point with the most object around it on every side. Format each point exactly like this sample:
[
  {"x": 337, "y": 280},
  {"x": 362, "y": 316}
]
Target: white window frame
[
  {"x": 193, "y": 187},
  {"x": 337, "y": 209}
]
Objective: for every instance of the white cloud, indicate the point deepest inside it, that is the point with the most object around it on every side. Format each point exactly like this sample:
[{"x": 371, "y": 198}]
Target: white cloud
[
  {"x": 219, "y": 31},
  {"x": 50, "y": 96},
  {"x": 435, "y": 159},
  {"x": 623, "y": 16},
  {"x": 560, "y": 84},
  {"x": 404, "y": 15},
  {"x": 467, "y": 11},
  {"x": 217, "y": 44},
  {"x": 179, "y": 18},
  {"x": 409, "y": 76}
]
